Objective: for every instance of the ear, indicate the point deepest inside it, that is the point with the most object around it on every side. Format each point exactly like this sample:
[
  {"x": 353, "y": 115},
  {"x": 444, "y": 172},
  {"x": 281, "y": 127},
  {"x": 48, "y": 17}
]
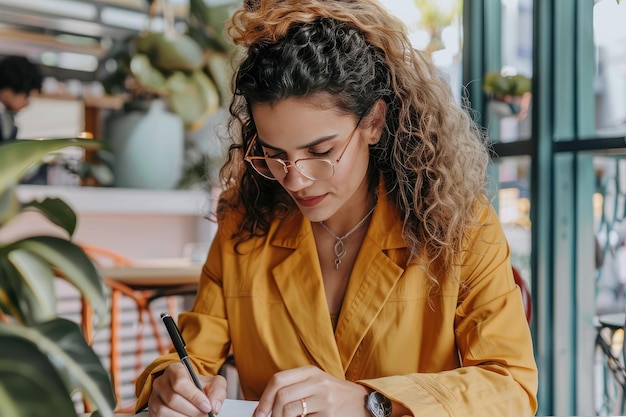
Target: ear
[{"x": 376, "y": 122}]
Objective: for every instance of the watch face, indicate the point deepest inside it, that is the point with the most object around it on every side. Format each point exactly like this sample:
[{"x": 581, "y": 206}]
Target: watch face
[{"x": 378, "y": 405}]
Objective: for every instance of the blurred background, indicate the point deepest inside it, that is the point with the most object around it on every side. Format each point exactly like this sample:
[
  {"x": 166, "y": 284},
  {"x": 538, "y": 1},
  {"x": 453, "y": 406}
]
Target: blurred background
[{"x": 546, "y": 80}]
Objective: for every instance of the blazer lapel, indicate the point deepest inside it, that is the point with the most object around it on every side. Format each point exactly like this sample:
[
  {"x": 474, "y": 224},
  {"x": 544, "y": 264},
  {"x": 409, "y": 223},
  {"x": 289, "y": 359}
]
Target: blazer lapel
[
  {"x": 372, "y": 281},
  {"x": 299, "y": 281}
]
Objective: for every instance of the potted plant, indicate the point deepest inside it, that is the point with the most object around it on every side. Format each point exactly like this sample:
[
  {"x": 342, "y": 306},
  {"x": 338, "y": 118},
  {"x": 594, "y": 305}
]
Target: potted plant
[
  {"x": 45, "y": 358},
  {"x": 509, "y": 95},
  {"x": 175, "y": 82}
]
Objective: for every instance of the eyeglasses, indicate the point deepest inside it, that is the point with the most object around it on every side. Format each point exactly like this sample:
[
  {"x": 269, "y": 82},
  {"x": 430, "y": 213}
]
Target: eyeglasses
[{"x": 315, "y": 169}]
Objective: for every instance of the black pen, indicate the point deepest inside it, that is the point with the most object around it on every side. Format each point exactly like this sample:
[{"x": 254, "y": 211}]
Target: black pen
[{"x": 179, "y": 345}]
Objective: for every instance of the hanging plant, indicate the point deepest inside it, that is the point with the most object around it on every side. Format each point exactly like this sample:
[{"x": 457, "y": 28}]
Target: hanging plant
[
  {"x": 509, "y": 95},
  {"x": 190, "y": 70}
]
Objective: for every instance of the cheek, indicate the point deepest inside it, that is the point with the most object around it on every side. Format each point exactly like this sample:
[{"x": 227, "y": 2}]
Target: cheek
[
  {"x": 353, "y": 170},
  {"x": 18, "y": 102}
]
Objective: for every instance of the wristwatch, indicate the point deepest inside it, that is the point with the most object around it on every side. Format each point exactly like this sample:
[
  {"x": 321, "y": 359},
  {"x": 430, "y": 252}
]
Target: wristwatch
[{"x": 377, "y": 404}]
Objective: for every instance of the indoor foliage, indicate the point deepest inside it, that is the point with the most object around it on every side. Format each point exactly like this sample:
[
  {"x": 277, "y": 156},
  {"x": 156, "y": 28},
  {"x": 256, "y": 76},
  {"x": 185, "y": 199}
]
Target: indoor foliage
[{"x": 44, "y": 359}]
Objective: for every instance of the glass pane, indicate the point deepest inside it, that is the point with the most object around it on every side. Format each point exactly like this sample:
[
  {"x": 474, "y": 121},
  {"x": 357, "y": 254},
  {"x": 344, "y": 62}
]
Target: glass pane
[
  {"x": 513, "y": 205},
  {"x": 508, "y": 90},
  {"x": 435, "y": 26},
  {"x": 609, "y": 30},
  {"x": 609, "y": 203}
]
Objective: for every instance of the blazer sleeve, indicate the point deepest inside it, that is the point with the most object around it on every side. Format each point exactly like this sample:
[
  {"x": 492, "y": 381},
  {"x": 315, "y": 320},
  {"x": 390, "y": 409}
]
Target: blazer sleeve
[{"x": 498, "y": 373}]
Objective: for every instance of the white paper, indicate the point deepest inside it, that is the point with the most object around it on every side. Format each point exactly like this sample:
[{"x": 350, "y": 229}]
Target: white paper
[
  {"x": 238, "y": 408},
  {"x": 230, "y": 408}
]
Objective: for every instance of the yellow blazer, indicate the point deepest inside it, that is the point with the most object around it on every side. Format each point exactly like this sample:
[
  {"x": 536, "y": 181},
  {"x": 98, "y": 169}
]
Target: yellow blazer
[{"x": 458, "y": 351}]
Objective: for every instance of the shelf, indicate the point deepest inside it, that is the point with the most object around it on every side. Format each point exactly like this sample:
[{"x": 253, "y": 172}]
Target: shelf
[{"x": 99, "y": 200}]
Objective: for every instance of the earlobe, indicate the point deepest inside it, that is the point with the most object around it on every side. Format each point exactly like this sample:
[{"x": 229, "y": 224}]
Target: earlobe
[{"x": 378, "y": 116}]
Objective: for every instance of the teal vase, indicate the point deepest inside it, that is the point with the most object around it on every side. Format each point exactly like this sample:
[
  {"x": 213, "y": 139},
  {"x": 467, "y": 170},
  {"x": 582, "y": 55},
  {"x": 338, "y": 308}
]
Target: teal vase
[{"x": 148, "y": 143}]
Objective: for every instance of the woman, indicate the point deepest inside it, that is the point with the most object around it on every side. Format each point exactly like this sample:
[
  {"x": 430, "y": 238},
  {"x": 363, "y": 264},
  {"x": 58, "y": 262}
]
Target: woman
[{"x": 359, "y": 268}]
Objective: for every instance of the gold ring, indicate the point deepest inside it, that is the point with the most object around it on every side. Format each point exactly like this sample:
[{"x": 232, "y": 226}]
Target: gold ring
[{"x": 304, "y": 408}]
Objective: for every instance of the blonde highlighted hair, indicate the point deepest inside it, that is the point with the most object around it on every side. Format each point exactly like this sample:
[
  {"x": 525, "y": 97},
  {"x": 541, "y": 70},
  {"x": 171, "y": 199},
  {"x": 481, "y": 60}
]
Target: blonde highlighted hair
[{"x": 431, "y": 154}]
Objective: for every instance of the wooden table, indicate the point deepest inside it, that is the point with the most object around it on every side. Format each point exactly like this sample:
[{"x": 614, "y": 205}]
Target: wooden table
[{"x": 155, "y": 274}]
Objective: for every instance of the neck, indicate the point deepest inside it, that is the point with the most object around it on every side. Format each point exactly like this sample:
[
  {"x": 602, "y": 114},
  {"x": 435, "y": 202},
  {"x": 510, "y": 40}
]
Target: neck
[
  {"x": 348, "y": 216},
  {"x": 339, "y": 247}
]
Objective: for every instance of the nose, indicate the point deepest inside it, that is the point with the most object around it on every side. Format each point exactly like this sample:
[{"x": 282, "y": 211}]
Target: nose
[{"x": 294, "y": 181}]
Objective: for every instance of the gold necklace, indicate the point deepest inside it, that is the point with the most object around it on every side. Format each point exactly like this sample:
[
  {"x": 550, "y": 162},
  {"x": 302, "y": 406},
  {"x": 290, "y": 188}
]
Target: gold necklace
[{"x": 340, "y": 247}]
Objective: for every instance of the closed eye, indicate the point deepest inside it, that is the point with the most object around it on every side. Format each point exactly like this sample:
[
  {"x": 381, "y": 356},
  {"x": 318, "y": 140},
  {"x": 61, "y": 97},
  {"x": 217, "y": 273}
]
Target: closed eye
[
  {"x": 312, "y": 149},
  {"x": 321, "y": 154},
  {"x": 282, "y": 155}
]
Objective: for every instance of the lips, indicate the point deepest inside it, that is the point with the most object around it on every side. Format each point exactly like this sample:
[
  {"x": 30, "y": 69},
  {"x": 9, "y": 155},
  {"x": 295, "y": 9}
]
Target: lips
[{"x": 309, "y": 201}]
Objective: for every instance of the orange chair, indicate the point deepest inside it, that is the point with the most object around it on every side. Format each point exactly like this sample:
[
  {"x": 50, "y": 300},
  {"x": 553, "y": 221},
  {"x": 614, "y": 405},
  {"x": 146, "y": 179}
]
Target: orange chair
[
  {"x": 142, "y": 299},
  {"x": 526, "y": 298}
]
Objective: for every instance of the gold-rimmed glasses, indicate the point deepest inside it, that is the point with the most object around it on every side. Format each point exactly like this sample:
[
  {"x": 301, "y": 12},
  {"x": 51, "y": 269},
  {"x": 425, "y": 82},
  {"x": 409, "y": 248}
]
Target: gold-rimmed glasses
[{"x": 315, "y": 169}]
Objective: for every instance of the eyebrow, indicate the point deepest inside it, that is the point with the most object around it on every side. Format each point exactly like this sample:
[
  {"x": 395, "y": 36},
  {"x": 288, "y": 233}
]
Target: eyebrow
[{"x": 308, "y": 145}]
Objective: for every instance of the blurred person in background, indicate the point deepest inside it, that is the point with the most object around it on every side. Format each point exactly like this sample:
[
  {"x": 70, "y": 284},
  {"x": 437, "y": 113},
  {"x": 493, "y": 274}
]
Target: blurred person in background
[{"x": 19, "y": 79}]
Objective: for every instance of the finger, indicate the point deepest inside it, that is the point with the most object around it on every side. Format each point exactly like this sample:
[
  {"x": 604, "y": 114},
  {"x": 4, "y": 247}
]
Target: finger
[
  {"x": 215, "y": 390},
  {"x": 173, "y": 406},
  {"x": 294, "y": 400},
  {"x": 181, "y": 384},
  {"x": 302, "y": 407},
  {"x": 297, "y": 408},
  {"x": 277, "y": 393},
  {"x": 164, "y": 403}
]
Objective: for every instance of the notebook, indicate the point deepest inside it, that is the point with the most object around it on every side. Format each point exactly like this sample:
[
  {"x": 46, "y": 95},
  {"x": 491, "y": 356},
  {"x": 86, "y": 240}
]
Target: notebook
[{"x": 230, "y": 408}]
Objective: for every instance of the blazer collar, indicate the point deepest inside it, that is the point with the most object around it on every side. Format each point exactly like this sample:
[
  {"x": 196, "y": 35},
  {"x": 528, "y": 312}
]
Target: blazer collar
[{"x": 299, "y": 280}]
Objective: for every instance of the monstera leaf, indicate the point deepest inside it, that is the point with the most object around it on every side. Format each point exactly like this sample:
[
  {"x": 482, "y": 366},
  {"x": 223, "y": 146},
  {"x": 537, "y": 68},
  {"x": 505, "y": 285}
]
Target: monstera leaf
[
  {"x": 26, "y": 373},
  {"x": 29, "y": 266},
  {"x": 20, "y": 155},
  {"x": 46, "y": 362},
  {"x": 45, "y": 359}
]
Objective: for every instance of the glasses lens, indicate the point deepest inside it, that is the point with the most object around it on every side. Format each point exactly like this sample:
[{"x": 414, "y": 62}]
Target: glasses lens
[
  {"x": 315, "y": 169},
  {"x": 268, "y": 167}
]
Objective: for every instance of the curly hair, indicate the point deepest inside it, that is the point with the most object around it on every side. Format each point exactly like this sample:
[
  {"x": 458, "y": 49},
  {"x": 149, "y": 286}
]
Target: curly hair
[{"x": 431, "y": 155}]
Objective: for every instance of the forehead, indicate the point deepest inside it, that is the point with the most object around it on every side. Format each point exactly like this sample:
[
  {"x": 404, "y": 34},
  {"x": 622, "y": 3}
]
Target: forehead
[{"x": 302, "y": 119}]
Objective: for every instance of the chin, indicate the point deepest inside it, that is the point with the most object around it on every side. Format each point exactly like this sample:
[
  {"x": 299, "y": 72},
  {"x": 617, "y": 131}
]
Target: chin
[{"x": 315, "y": 214}]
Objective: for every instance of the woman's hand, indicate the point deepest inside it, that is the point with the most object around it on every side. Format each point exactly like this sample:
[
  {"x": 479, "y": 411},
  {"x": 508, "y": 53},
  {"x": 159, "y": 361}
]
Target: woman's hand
[
  {"x": 324, "y": 395},
  {"x": 174, "y": 394}
]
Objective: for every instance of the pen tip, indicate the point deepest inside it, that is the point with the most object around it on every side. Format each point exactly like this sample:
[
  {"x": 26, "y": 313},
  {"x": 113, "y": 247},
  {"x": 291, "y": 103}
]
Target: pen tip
[{"x": 165, "y": 314}]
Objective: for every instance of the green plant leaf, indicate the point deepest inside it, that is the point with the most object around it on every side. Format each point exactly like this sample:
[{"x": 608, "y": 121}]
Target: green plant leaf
[
  {"x": 9, "y": 204},
  {"x": 506, "y": 85},
  {"x": 57, "y": 211},
  {"x": 9, "y": 405},
  {"x": 149, "y": 77},
  {"x": 206, "y": 24},
  {"x": 73, "y": 263},
  {"x": 7, "y": 306},
  {"x": 35, "y": 285},
  {"x": 78, "y": 366},
  {"x": 29, "y": 384},
  {"x": 10, "y": 303},
  {"x": 176, "y": 52},
  {"x": 194, "y": 97},
  {"x": 19, "y": 155},
  {"x": 220, "y": 68}
]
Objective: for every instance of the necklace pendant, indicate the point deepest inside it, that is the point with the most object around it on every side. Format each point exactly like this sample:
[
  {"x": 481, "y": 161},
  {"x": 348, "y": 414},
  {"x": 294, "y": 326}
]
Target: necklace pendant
[
  {"x": 340, "y": 247},
  {"x": 340, "y": 252},
  {"x": 337, "y": 262}
]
